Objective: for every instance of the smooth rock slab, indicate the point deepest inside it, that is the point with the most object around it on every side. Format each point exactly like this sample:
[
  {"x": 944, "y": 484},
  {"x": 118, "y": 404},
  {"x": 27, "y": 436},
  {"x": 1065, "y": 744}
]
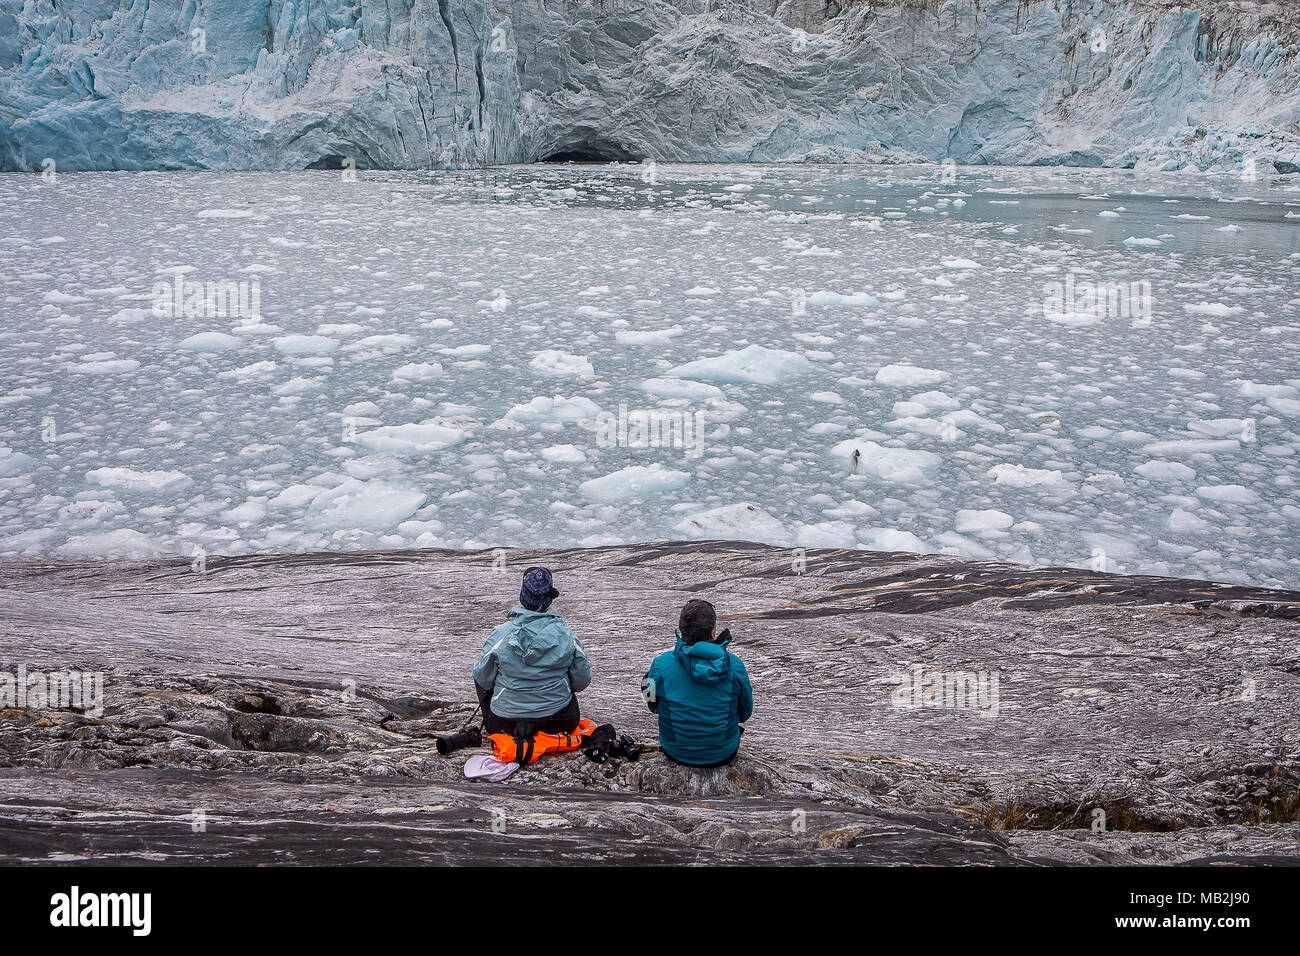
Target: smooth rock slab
[{"x": 295, "y": 698}]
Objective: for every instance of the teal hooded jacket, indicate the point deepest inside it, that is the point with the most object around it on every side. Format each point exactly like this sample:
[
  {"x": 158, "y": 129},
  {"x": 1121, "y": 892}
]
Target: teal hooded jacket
[
  {"x": 702, "y": 695},
  {"x": 532, "y": 664}
]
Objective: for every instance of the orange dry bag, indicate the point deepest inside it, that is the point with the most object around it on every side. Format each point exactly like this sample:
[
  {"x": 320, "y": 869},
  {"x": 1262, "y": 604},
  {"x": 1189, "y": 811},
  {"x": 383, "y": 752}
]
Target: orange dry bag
[{"x": 523, "y": 750}]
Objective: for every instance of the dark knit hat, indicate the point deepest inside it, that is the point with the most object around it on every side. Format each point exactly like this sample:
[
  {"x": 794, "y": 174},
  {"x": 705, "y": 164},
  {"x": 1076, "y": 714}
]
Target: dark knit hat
[{"x": 538, "y": 590}]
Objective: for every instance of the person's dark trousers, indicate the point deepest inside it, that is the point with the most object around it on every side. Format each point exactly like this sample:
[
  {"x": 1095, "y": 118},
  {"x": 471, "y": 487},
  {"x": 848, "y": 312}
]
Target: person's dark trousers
[
  {"x": 709, "y": 766},
  {"x": 563, "y": 721}
]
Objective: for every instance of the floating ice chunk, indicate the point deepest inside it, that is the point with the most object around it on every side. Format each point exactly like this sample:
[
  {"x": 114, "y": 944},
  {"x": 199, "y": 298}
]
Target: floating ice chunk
[
  {"x": 372, "y": 466},
  {"x": 418, "y": 372},
  {"x": 961, "y": 264},
  {"x": 738, "y": 188},
  {"x": 466, "y": 351},
  {"x": 649, "y": 337},
  {"x": 62, "y": 298},
  {"x": 634, "y": 481},
  {"x": 853, "y": 508},
  {"x": 983, "y": 521},
  {"x": 340, "y": 328},
  {"x": 224, "y": 213},
  {"x": 892, "y": 539},
  {"x": 389, "y": 343},
  {"x": 1110, "y": 546},
  {"x": 1191, "y": 446},
  {"x": 556, "y": 409},
  {"x": 210, "y": 342},
  {"x": 739, "y": 522},
  {"x": 891, "y": 464},
  {"x": 1018, "y": 476},
  {"x": 924, "y": 426},
  {"x": 122, "y": 545},
  {"x": 701, "y": 290},
  {"x": 1180, "y": 520},
  {"x": 826, "y": 534},
  {"x": 1284, "y": 406},
  {"x": 298, "y": 386},
  {"x": 257, "y": 328},
  {"x": 367, "y": 505},
  {"x": 1145, "y": 242},
  {"x": 251, "y": 511},
  {"x": 680, "y": 388},
  {"x": 249, "y": 371},
  {"x": 970, "y": 419},
  {"x": 413, "y": 438},
  {"x": 1166, "y": 471},
  {"x": 564, "y": 454},
  {"x": 296, "y": 496},
  {"x": 838, "y": 299},
  {"x": 909, "y": 375},
  {"x": 935, "y": 400},
  {"x": 14, "y": 462},
  {"x": 1216, "y": 427},
  {"x": 1072, "y": 319},
  {"x": 1212, "y": 308},
  {"x": 553, "y": 362},
  {"x": 305, "y": 344},
  {"x": 1228, "y": 494},
  {"x": 753, "y": 364},
  {"x": 128, "y": 479},
  {"x": 105, "y": 366},
  {"x": 1256, "y": 390}
]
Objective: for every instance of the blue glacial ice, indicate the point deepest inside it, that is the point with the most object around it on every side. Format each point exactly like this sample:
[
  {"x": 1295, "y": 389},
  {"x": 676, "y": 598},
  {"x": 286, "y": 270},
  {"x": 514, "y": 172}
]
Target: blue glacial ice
[{"x": 287, "y": 84}]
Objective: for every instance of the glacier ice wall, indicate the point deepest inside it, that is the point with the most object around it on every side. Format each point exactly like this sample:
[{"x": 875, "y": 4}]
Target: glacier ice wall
[{"x": 233, "y": 84}]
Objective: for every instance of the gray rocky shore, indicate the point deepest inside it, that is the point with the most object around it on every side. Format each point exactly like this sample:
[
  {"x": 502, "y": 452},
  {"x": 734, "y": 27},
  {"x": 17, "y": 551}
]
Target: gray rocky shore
[{"x": 281, "y": 709}]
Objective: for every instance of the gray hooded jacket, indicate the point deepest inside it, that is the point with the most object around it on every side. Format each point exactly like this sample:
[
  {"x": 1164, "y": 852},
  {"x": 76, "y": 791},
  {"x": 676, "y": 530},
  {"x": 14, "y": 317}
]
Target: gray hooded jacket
[{"x": 533, "y": 664}]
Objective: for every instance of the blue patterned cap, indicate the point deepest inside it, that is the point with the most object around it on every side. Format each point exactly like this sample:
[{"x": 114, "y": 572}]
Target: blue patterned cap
[{"x": 538, "y": 590}]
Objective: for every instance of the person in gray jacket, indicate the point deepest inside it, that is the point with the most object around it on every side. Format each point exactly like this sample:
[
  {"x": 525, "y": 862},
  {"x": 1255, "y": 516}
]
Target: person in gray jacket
[{"x": 532, "y": 666}]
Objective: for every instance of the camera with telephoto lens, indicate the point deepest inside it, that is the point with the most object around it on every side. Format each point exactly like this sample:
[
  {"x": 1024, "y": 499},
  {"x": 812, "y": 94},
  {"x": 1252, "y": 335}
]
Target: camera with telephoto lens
[
  {"x": 467, "y": 737},
  {"x": 610, "y": 748}
]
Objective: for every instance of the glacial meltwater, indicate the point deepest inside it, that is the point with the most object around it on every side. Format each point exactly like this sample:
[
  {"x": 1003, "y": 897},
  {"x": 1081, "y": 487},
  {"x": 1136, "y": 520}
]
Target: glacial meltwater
[{"x": 1094, "y": 368}]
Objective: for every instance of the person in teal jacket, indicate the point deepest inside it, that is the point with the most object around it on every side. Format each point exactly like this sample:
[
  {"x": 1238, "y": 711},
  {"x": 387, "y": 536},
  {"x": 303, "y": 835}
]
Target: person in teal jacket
[
  {"x": 700, "y": 691},
  {"x": 533, "y": 666}
]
